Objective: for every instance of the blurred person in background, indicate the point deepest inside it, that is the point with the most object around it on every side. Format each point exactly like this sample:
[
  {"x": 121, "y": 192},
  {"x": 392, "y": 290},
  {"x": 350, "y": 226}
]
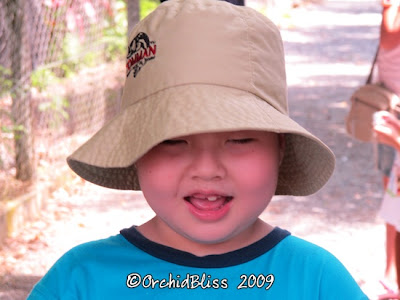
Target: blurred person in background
[{"x": 388, "y": 62}]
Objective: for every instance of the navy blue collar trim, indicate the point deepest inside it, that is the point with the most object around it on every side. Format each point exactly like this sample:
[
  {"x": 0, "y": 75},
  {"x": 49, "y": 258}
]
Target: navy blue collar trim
[{"x": 183, "y": 258}]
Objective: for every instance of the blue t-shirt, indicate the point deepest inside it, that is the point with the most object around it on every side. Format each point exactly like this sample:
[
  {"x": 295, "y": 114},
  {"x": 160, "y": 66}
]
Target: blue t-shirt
[{"x": 129, "y": 266}]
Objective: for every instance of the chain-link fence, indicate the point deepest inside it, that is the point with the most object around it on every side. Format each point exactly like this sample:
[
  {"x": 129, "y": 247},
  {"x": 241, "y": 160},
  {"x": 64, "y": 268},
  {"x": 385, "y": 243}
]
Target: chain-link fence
[{"x": 61, "y": 72}]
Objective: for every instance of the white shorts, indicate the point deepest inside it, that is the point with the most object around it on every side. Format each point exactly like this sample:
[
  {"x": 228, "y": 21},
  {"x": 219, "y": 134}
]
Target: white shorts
[
  {"x": 390, "y": 210},
  {"x": 390, "y": 207}
]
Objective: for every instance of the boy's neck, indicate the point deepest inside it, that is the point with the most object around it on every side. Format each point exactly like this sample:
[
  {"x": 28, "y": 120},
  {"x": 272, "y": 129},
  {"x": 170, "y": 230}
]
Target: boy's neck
[{"x": 167, "y": 236}]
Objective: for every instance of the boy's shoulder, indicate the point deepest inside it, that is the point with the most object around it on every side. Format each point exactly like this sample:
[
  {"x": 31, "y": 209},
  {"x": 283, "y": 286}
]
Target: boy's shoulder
[
  {"x": 97, "y": 249},
  {"x": 305, "y": 253},
  {"x": 301, "y": 246}
]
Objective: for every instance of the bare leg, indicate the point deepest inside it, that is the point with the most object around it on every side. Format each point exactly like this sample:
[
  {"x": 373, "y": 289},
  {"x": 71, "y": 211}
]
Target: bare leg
[
  {"x": 392, "y": 252},
  {"x": 391, "y": 270},
  {"x": 397, "y": 250}
]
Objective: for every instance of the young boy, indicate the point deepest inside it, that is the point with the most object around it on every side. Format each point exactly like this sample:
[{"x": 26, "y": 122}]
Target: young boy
[{"x": 204, "y": 132}]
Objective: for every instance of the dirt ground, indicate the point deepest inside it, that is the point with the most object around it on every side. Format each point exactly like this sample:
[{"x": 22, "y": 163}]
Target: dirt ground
[{"x": 329, "y": 48}]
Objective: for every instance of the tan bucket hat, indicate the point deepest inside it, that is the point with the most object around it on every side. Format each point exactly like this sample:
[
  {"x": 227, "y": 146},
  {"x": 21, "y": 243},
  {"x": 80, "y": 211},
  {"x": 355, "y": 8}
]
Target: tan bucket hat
[{"x": 197, "y": 66}]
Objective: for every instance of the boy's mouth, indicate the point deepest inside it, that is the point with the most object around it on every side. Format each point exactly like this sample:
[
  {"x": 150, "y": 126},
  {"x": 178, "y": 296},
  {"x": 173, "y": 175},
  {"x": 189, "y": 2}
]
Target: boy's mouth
[{"x": 208, "y": 202}]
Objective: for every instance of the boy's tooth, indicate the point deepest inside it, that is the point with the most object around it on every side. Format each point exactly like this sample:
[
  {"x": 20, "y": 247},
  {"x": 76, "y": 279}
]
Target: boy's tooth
[{"x": 209, "y": 198}]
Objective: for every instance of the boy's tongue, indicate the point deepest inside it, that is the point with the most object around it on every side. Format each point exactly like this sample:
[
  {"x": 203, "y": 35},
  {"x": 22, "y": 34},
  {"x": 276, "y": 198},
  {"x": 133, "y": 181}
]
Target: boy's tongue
[{"x": 210, "y": 202}]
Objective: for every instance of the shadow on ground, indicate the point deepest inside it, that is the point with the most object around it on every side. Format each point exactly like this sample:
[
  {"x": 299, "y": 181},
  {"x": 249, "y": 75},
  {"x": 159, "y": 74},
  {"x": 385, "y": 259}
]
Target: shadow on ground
[{"x": 19, "y": 285}]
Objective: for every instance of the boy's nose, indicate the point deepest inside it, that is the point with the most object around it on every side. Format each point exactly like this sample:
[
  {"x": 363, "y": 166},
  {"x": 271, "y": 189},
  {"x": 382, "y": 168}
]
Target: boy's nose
[{"x": 207, "y": 165}]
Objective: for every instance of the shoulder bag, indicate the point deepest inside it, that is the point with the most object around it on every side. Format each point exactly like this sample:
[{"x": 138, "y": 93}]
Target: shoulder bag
[{"x": 364, "y": 102}]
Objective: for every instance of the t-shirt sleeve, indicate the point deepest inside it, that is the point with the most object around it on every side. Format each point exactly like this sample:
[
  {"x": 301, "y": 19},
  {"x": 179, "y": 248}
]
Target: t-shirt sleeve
[
  {"x": 315, "y": 273},
  {"x": 337, "y": 283}
]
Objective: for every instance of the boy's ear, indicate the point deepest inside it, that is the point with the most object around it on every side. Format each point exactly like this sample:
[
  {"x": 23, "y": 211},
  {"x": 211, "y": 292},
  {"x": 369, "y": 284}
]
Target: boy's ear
[{"x": 282, "y": 146}]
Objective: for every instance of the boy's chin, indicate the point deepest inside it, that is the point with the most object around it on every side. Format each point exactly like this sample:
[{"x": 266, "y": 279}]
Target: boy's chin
[{"x": 218, "y": 240}]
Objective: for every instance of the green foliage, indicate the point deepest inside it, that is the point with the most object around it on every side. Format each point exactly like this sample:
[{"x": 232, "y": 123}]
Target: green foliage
[
  {"x": 91, "y": 59},
  {"x": 43, "y": 77},
  {"x": 12, "y": 132},
  {"x": 7, "y": 126},
  {"x": 75, "y": 56},
  {"x": 9, "y": 131},
  {"x": 56, "y": 106},
  {"x": 72, "y": 49},
  {"x": 147, "y": 6},
  {"x": 6, "y": 130},
  {"x": 5, "y": 83},
  {"x": 115, "y": 32}
]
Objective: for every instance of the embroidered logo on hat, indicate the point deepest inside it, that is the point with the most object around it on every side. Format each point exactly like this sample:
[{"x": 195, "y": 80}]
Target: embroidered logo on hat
[{"x": 140, "y": 51}]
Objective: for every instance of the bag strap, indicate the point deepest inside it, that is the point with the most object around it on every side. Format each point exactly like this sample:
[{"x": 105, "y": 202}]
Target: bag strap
[{"x": 369, "y": 79}]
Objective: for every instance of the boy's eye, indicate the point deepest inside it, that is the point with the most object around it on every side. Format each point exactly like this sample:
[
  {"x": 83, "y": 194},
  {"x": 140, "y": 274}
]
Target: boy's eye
[
  {"x": 173, "y": 142},
  {"x": 242, "y": 141}
]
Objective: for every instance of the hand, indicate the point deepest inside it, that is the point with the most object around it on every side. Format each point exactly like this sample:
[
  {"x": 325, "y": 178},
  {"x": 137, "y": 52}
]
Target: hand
[
  {"x": 390, "y": 120},
  {"x": 387, "y": 3},
  {"x": 387, "y": 130}
]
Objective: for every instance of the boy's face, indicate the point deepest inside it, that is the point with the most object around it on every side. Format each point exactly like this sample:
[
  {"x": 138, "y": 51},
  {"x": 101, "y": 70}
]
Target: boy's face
[{"x": 211, "y": 187}]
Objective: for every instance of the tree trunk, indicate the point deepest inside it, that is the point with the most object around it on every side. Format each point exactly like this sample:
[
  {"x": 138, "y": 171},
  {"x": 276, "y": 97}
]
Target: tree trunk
[
  {"x": 133, "y": 14},
  {"x": 21, "y": 67}
]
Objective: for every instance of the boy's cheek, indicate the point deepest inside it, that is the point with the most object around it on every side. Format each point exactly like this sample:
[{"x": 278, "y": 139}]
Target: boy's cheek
[
  {"x": 254, "y": 176},
  {"x": 155, "y": 178}
]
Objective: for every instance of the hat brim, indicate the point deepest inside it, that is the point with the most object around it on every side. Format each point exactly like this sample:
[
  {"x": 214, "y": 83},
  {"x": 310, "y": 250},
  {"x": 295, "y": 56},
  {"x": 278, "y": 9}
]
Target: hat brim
[{"x": 107, "y": 158}]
